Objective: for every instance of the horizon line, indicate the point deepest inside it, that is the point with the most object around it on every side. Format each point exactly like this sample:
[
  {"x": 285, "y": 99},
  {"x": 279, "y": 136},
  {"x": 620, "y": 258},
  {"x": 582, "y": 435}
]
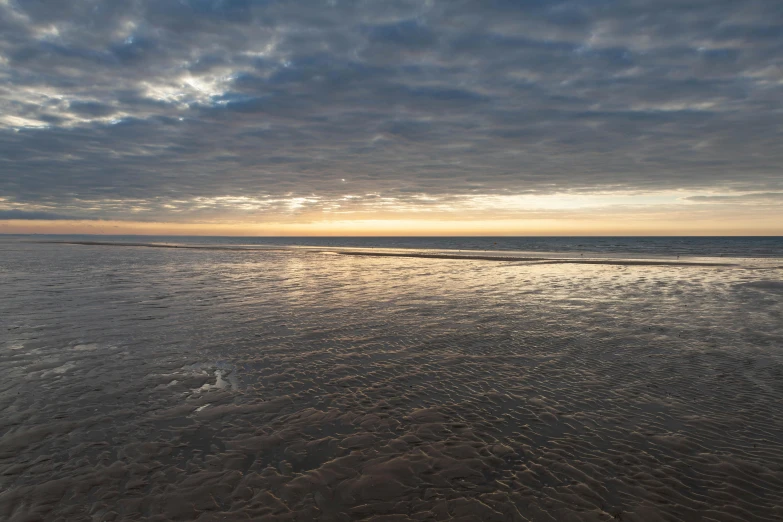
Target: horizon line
[{"x": 402, "y": 236}]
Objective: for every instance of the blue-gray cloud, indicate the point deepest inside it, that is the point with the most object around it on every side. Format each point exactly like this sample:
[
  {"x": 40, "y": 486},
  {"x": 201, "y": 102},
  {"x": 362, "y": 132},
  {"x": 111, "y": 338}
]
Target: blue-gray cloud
[
  {"x": 36, "y": 215},
  {"x": 145, "y": 108}
]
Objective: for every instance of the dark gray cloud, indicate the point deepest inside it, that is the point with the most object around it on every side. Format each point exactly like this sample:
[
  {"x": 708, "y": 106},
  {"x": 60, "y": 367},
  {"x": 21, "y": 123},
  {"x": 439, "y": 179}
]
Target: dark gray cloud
[
  {"x": 156, "y": 109},
  {"x": 34, "y": 215}
]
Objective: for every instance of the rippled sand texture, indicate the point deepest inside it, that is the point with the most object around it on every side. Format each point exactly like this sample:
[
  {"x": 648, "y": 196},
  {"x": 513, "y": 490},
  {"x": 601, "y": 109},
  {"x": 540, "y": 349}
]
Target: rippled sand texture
[{"x": 169, "y": 384}]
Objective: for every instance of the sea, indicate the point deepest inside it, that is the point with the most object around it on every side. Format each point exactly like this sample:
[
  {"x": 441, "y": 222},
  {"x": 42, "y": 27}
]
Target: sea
[
  {"x": 391, "y": 379},
  {"x": 708, "y": 246}
]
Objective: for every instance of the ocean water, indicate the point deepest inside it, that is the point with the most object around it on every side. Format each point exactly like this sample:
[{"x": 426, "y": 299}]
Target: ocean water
[
  {"x": 294, "y": 384},
  {"x": 740, "y": 247}
]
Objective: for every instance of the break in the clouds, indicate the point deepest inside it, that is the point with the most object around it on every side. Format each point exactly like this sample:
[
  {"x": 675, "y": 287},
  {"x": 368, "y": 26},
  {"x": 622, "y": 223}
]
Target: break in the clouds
[{"x": 178, "y": 110}]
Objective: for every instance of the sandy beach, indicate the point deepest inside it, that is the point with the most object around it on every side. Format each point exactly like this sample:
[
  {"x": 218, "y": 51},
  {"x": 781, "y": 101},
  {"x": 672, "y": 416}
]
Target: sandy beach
[{"x": 206, "y": 384}]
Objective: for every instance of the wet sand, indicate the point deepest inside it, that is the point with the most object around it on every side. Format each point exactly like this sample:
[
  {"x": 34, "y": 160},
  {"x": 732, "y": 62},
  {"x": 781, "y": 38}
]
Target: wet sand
[
  {"x": 187, "y": 384},
  {"x": 539, "y": 260}
]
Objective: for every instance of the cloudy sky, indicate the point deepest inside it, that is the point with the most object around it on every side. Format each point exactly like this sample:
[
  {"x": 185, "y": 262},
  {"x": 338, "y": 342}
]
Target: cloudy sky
[{"x": 406, "y": 117}]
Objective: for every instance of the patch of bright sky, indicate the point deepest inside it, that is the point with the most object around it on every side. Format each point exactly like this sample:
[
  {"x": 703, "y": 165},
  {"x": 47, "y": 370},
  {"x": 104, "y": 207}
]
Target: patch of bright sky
[
  {"x": 126, "y": 30},
  {"x": 674, "y": 106},
  {"x": 56, "y": 101},
  {"x": 567, "y": 201},
  {"x": 418, "y": 203},
  {"x": 188, "y": 89},
  {"x": 49, "y": 32},
  {"x": 240, "y": 209},
  {"x": 17, "y": 122},
  {"x": 252, "y": 203}
]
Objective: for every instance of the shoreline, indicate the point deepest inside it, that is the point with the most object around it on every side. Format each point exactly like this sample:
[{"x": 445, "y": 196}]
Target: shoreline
[{"x": 415, "y": 255}]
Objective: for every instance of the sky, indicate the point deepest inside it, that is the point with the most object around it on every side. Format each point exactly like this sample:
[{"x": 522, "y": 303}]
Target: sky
[{"x": 335, "y": 117}]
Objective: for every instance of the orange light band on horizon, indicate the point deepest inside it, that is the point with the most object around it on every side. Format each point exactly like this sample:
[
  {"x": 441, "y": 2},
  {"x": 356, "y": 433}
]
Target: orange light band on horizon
[{"x": 410, "y": 227}]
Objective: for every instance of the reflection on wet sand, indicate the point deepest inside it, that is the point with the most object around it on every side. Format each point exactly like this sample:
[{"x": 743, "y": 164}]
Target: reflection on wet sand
[{"x": 172, "y": 384}]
